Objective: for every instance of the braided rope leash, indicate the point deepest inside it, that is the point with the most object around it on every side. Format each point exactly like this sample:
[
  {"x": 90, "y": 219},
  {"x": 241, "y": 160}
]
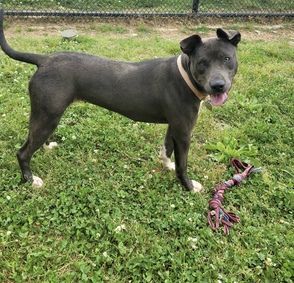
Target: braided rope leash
[{"x": 218, "y": 215}]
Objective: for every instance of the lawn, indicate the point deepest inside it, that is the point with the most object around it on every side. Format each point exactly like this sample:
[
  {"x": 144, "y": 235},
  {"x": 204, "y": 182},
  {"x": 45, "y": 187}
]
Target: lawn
[
  {"x": 171, "y": 6},
  {"x": 108, "y": 211}
]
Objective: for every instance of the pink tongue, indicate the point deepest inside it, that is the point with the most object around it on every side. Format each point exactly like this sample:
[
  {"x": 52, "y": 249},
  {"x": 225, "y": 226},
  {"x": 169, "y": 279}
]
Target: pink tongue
[{"x": 218, "y": 99}]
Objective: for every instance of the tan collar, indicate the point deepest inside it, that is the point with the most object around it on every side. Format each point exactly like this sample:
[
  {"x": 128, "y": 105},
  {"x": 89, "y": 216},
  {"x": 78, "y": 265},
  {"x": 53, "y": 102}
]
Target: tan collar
[{"x": 186, "y": 78}]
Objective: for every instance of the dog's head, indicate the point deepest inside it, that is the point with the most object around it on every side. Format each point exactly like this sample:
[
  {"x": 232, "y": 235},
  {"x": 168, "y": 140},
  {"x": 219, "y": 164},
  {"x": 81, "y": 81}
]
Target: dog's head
[{"x": 213, "y": 63}]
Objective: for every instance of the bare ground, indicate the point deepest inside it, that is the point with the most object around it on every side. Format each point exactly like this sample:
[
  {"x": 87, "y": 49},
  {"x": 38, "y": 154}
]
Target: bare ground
[{"x": 268, "y": 30}]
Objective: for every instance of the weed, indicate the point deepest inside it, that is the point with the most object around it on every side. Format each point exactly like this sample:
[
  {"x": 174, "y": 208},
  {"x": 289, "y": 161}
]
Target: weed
[{"x": 228, "y": 148}]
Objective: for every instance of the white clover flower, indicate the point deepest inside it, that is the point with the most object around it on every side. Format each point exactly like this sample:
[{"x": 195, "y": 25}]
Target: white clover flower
[
  {"x": 193, "y": 242},
  {"x": 120, "y": 228}
]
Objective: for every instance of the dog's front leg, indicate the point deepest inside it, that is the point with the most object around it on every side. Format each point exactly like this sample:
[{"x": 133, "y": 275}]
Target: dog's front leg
[{"x": 181, "y": 148}]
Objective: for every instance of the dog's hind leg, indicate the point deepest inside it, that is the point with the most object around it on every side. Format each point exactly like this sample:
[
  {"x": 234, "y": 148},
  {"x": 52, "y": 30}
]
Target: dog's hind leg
[
  {"x": 167, "y": 150},
  {"x": 41, "y": 127}
]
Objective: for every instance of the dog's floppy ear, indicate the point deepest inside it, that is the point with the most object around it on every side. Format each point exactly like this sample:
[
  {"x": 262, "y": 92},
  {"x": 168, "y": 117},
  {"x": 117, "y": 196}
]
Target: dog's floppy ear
[
  {"x": 190, "y": 43},
  {"x": 232, "y": 37}
]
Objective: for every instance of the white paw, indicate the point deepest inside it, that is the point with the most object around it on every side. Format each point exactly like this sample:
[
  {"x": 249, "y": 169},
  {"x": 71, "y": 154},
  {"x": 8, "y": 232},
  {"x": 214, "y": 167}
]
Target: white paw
[
  {"x": 37, "y": 182},
  {"x": 167, "y": 163},
  {"x": 170, "y": 166},
  {"x": 51, "y": 145},
  {"x": 197, "y": 187}
]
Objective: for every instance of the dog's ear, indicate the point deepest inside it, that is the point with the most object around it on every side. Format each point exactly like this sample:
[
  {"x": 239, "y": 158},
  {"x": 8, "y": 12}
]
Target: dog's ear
[
  {"x": 232, "y": 37},
  {"x": 235, "y": 38},
  {"x": 222, "y": 34},
  {"x": 190, "y": 43}
]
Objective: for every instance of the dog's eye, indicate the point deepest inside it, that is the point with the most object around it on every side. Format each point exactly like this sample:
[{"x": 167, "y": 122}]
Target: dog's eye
[{"x": 227, "y": 59}]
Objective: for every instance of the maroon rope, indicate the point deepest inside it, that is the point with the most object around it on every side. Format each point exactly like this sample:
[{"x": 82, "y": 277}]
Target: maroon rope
[{"x": 218, "y": 215}]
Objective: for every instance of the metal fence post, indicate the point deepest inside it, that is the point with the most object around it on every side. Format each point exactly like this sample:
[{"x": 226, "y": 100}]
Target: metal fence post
[{"x": 195, "y": 6}]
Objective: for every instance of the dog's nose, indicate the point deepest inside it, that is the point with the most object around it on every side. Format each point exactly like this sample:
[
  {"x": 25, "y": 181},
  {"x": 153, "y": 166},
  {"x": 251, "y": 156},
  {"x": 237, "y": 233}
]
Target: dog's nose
[{"x": 217, "y": 85}]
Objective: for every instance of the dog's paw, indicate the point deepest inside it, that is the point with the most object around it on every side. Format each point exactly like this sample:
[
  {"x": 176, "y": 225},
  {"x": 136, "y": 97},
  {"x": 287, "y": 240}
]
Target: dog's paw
[
  {"x": 170, "y": 165},
  {"x": 49, "y": 146},
  {"x": 167, "y": 163},
  {"x": 37, "y": 182},
  {"x": 197, "y": 187}
]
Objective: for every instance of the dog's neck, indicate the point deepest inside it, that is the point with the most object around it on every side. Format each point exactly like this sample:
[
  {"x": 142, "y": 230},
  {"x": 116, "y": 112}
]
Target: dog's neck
[{"x": 183, "y": 63}]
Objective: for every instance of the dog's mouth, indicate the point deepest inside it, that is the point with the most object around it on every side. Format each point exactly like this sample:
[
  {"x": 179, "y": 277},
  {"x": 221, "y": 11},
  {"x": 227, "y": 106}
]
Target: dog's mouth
[{"x": 218, "y": 99}]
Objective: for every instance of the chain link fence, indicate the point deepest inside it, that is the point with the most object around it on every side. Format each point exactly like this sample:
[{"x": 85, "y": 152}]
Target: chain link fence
[{"x": 149, "y": 7}]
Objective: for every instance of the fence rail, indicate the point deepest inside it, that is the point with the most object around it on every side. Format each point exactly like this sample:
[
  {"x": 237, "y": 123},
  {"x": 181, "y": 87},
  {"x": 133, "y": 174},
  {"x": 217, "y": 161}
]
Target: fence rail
[{"x": 115, "y": 8}]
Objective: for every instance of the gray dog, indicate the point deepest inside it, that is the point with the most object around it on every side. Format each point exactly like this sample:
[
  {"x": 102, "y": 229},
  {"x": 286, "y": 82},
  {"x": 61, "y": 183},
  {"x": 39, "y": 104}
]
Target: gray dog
[{"x": 167, "y": 90}]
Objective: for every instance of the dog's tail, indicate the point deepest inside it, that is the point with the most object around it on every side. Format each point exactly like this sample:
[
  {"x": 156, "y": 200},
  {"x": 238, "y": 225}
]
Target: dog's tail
[{"x": 35, "y": 59}]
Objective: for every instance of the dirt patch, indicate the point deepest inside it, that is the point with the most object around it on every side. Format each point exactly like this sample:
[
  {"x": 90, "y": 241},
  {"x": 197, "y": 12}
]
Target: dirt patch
[{"x": 174, "y": 29}]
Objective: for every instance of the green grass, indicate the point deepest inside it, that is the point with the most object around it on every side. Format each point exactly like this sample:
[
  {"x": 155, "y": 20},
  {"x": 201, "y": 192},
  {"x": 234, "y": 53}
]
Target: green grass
[
  {"x": 105, "y": 5},
  {"x": 248, "y": 5},
  {"x": 152, "y": 5},
  {"x": 105, "y": 173}
]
